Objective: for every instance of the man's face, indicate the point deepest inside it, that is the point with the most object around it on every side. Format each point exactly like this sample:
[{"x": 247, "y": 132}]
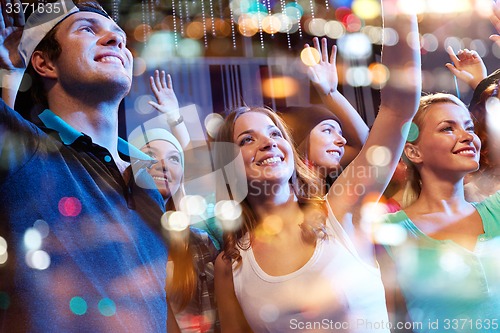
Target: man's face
[{"x": 93, "y": 54}]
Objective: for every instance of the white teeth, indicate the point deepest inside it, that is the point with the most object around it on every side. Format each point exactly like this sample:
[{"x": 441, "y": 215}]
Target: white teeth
[
  {"x": 468, "y": 151},
  {"x": 271, "y": 160},
  {"x": 332, "y": 152},
  {"x": 111, "y": 59},
  {"x": 161, "y": 179}
]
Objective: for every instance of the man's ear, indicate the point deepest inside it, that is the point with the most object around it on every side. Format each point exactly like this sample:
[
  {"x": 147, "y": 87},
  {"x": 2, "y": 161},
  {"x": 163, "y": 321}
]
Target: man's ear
[
  {"x": 43, "y": 65},
  {"x": 413, "y": 153}
]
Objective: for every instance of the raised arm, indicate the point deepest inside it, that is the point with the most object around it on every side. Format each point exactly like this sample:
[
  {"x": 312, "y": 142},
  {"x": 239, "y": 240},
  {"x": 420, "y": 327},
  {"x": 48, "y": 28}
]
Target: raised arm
[
  {"x": 324, "y": 78},
  {"x": 372, "y": 169},
  {"x": 167, "y": 103},
  {"x": 11, "y": 65},
  {"x": 467, "y": 66}
]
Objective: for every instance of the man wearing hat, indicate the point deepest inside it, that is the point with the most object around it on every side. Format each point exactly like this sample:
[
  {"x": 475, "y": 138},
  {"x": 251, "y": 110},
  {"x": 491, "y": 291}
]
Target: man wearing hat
[{"x": 78, "y": 246}]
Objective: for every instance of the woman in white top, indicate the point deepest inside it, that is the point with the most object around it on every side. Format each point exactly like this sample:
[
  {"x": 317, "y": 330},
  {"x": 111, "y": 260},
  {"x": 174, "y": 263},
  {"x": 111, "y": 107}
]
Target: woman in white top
[{"x": 290, "y": 265}]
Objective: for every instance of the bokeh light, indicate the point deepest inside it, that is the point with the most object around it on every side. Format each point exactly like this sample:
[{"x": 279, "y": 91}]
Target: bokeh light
[
  {"x": 3, "y": 245},
  {"x": 334, "y": 29},
  {"x": 189, "y": 48},
  {"x": 139, "y": 66},
  {"x": 42, "y": 227},
  {"x": 412, "y": 129},
  {"x": 70, "y": 206},
  {"x": 78, "y": 305},
  {"x": 32, "y": 239},
  {"x": 175, "y": 221},
  {"x": 366, "y": 9},
  {"x": 358, "y": 76},
  {"x": 391, "y": 36},
  {"x": 269, "y": 313},
  {"x": 213, "y": 122},
  {"x": 480, "y": 47},
  {"x": 379, "y": 156},
  {"x": 38, "y": 259},
  {"x": 107, "y": 307},
  {"x": 430, "y": 42},
  {"x": 279, "y": 87},
  {"x": 379, "y": 74},
  {"x": 355, "y": 46},
  {"x": 193, "y": 204},
  {"x": 390, "y": 234},
  {"x": 272, "y": 225},
  {"x": 141, "y": 104},
  {"x": 310, "y": 56},
  {"x": 316, "y": 27},
  {"x": 271, "y": 24}
]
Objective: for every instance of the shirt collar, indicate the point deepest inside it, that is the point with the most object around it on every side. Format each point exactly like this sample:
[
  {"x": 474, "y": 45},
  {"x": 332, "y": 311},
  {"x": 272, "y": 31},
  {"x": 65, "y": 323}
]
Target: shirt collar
[{"x": 69, "y": 135}]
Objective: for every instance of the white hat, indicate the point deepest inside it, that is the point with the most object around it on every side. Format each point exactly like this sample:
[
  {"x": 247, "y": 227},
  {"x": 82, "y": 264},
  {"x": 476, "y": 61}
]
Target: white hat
[
  {"x": 149, "y": 135},
  {"x": 44, "y": 19}
]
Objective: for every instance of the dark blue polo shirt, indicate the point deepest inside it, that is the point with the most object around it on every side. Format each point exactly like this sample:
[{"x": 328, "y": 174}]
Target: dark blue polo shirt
[{"x": 83, "y": 249}]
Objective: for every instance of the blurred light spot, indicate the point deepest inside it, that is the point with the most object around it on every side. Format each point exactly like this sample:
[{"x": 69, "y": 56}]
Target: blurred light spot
[
  {"x": 247, "y": 26},
  {"x": 279, "y": 87},
  {"x": 317, "y": 27},
  {"x": 70, "y": 206},
  {"x": 355, "y": 46},
  {"x": 3, "y": 245},
  {"x": 142, "y": 32},
  {"x": 334, "y": 29},
  {"x": 286, "y": 23},
  {"x": 390, "y": 234},
  {"x": 453, "y": 263},
  {"x": 412, "y": 130},
  {"x": 193, "y": 204},
  {"x": 175, "y": 221},
  {"x": 454, "y": 42},
  {"x": 212, "y": 123},
  {"x": 269, "y": 313},
  {"x": 219, "y": 47},
  {"x": 194, "y": 30},
  {"x": 444, "y": 80},
  {"x": 391, "y": 36},
  {"x": 271, "y": 24},
  {"x": 411, "y": 6},
  {"x": 228, "y": 210},
  {"x": 106, "y": 307},
  {"x": 38, "y": 259},
  {"x": 42, "y": 227},
  {"x": 480, "y": 47},
  {"x": 294, "y": 11},
  {"x": 379, "y": 74},
  {"x": 358, "y": 76},
  {"x": 495, "y": 49},
  {"x": 272, "y": 225},
  {"x": 141, "y": 104},
  {"x": 139, "y": 66},
  {"x": 353, "y": 23},
  {"x": 78, "y": 305},
  {"x": 189, "y": 48},
  {"x": 32, "y": 239},
  {"x": 483, "y": 8},
  {"x": 448, "y": 6},
  {"x": 374, "y": 34},
  {"x": 493, "y": 115},
  {"x": 3, "y": 257},
  {"x": 378, "y": 156},
  {"x": 26, "y": 83},
  {"x": 222, "y": 28},
  {"x": 430, "y": 42},
  {"x": 371, "y": 212},
  {"x": 413, "y": 40},
  {"x": 366, "y": 9},
  {"x": 310, "y": 56}
]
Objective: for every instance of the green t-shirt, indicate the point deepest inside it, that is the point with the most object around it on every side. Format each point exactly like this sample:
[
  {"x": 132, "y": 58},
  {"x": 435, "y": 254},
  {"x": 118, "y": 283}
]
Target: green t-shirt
[{"x": 447, "y": 287}]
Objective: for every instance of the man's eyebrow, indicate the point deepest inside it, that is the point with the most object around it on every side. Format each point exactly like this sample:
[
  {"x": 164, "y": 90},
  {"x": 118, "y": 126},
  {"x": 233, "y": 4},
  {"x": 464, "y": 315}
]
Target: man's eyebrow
[{"x": 96, "y": 22}]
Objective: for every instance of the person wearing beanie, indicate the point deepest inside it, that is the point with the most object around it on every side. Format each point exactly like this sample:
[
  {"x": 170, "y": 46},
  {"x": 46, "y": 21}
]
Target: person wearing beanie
[
  {"x": 81, "y": 246},
  {"x": 192, "y": 252},
  {"x": 328, "y": 138}
]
